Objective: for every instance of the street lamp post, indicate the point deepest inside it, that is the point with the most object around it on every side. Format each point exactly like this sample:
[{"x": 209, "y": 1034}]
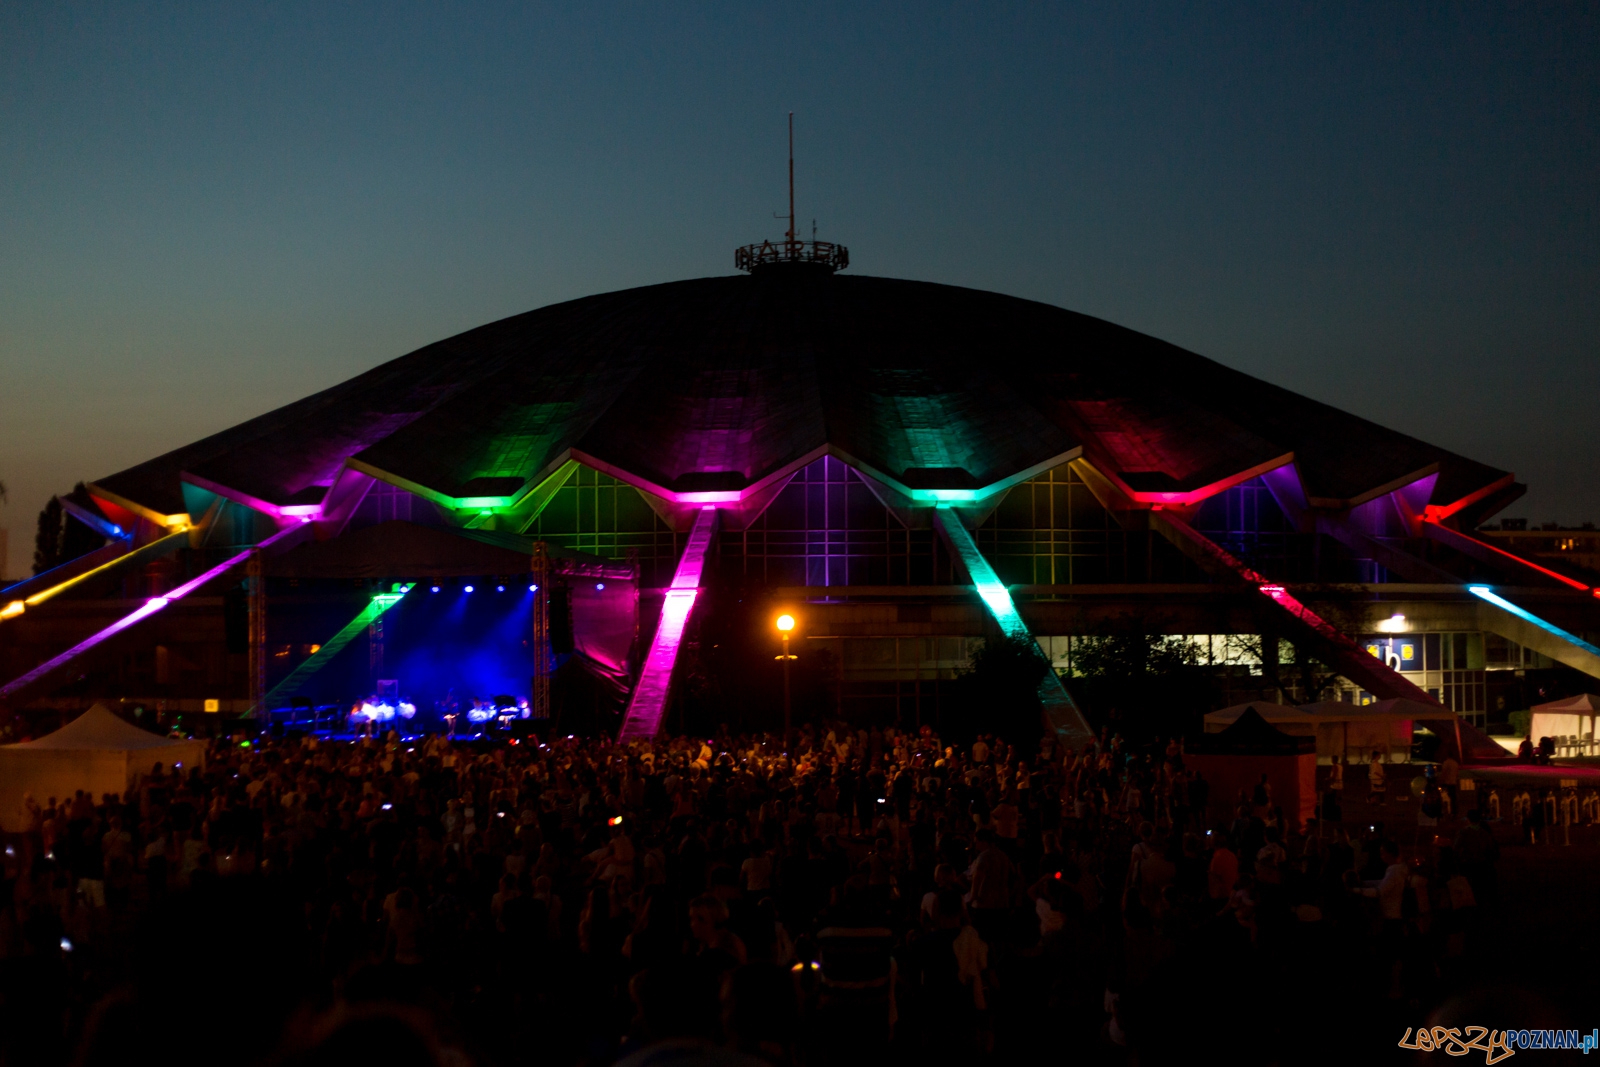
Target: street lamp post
[{"x": 785, "y": 624}]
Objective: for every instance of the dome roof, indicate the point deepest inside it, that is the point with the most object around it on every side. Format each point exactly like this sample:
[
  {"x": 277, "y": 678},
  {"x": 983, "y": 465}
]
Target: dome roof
[{"x": 703, "y": 388}]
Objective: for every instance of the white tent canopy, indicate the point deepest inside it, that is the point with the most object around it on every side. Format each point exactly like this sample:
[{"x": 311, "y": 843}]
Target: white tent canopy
[
  {"x": 1356, "y": 731},
  {"x": 1572, "y": 717},
  {"x": 96, "y": 752}
]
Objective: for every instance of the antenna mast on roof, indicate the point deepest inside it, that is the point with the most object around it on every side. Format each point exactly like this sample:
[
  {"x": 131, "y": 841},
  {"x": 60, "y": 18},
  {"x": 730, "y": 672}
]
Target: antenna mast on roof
[
  {"x": 813, "y": 253},
  {"x": 791, "y": 177}
]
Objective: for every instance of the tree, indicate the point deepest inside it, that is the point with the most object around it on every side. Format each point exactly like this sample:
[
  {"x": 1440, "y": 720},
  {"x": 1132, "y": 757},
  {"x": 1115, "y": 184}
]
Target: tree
[
  {"x": 1142, "y": 684},
  {"x": 1300, "y": 673},
  {"x": 999, "y": 692},
  {"x": 59, "y": 539},
  {"x": 1305, "y": 664},
  {"x": 47, "y": 539}
]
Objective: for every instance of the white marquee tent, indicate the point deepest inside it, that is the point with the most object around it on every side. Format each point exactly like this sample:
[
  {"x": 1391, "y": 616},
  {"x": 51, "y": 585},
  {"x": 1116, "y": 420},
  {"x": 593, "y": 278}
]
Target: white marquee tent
[
  {"x": 1355, "y": 731},
  {"x": 1571, "y": 717},
  {"x": 96, "y": 752}
]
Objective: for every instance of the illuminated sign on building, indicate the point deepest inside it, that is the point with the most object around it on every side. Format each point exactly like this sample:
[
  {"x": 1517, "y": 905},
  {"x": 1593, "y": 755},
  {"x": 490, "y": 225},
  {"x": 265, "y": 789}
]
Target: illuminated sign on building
[{"x": 1398, "y": 653}]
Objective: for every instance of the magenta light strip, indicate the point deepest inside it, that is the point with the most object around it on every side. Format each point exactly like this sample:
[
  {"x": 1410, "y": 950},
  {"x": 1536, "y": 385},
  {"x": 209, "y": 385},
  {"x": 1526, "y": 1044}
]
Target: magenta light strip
[
  {"x": 279, "y": 513},
  {"x": 1195, "y": 496},
  {"x": 134, "y": 617},
  {"x": 649, "y": 701}
]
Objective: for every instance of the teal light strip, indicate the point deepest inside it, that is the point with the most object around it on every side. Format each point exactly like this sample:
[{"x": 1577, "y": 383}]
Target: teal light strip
[
  {"x": 990, "y": 588},
  {"x": 1485, "y": 593},
  {"x": 1063, "y": 714},
  {"x": 944, "y": 496}
]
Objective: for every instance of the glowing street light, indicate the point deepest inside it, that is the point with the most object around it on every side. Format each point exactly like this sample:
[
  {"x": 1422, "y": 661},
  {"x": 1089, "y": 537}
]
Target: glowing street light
[{"x": 785, "y": 625}]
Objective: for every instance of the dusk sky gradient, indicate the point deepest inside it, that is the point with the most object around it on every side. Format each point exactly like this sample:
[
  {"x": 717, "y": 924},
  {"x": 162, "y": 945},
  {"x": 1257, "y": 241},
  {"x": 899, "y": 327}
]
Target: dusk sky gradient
[{"x": 208, "y": 211}]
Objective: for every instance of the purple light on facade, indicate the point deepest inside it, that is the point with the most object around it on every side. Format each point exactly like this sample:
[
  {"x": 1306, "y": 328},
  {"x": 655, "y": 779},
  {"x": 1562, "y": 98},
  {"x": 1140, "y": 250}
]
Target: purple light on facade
[
  {"x": 650, "y": 695},
  {"x": 282, "y": 514},
  {"x": 649, "y": 701}
]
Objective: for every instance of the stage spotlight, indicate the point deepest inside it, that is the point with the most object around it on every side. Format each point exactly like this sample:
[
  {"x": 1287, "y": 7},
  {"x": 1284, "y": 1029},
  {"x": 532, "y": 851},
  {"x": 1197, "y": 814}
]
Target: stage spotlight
[
  {"x": 600, "y": 586},
  {"x": 434, "y": 589},
  {"x": 469, "y": 588},
  {"x": 533, "y": 588},
  {"x": 499, "y": 589}
]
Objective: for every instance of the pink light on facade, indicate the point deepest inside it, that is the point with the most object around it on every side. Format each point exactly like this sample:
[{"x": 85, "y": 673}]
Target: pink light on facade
[
  {"x": 715, "y": 496},
  {"x": 649, "y": 701},
  {"x": 1440, "y": 512},
  {"x": 1188, "y": 498}
]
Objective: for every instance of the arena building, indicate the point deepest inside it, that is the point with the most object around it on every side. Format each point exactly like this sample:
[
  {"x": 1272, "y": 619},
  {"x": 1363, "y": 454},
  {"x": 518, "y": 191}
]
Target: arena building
[{"x": 908, "y": 467}]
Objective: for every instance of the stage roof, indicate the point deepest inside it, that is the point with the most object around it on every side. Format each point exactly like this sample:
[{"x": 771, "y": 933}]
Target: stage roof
[
  {"x": 711, "y": 385},
  {"x": 407, "y": 550}
]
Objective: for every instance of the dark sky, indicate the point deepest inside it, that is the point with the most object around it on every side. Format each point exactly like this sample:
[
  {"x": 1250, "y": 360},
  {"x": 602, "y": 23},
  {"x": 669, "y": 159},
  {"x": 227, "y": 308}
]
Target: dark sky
[{"x": 209, "y": 211}]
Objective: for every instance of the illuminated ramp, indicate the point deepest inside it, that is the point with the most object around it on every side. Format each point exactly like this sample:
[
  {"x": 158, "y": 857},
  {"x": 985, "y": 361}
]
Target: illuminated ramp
[
  {"x": 1336, "y": 648},
  {"x": 649, "y": 701},
  {"x": 291, "y": 683},
  {"x": 1059, "y": 710},
  {"x": 1543, "y": 636}
]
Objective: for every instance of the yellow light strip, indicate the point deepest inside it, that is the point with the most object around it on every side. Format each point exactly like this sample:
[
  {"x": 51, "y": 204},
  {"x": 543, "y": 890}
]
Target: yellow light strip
[
  {"x": 17, "y": 607},
  {"x": 169, "y": 521}
]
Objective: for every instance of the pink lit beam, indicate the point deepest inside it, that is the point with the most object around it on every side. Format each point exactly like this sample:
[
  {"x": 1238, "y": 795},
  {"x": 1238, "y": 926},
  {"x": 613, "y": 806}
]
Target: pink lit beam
[
  {"x": 27, "y": 683},
  {"x": 1351, "y": 659},
  {"x": 1441, "y": 512},
  {"x": 1354, "y": 662},
  {"x": 1195, "y": 496},
  {"x": 739, "y": 496},
  {"x": 1487, "y": 553},
  {"x": 701, "y": 498},
  {"x": 649, "y": 701}
]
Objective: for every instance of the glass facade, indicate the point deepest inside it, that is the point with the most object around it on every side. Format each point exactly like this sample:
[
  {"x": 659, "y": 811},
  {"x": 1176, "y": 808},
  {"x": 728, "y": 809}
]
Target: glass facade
[
  {"x": 828, "y": 528},
  {"x": 1051, "y": 530},
  {"x": 598, "y": 514}
]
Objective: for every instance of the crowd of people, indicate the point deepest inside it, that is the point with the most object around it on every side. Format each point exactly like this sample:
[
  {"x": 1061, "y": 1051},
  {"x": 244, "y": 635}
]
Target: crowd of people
[{"x": 845, "y": 896}]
